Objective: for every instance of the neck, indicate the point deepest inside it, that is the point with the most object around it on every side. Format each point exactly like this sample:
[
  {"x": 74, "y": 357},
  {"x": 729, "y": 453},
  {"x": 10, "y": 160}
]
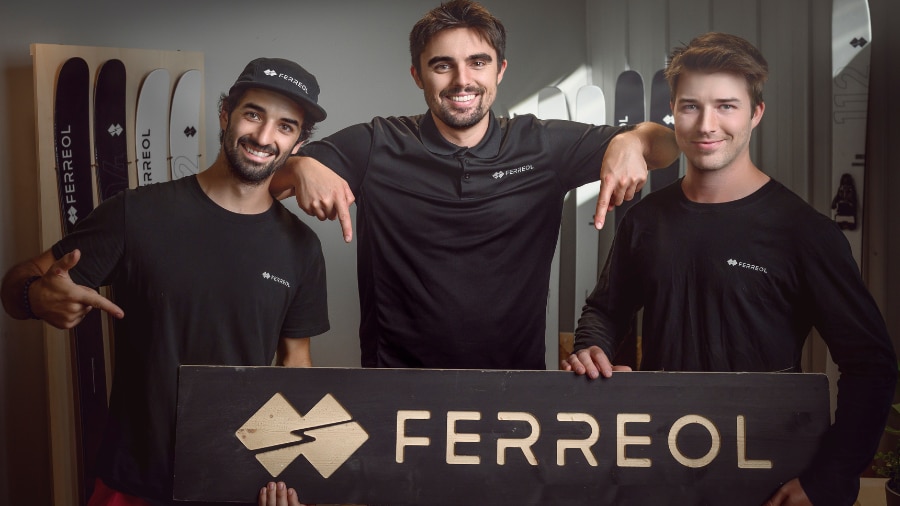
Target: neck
[
  {"x": 223, "y": 188},
  {"x": 723, "y": 185},
  {"x": 465, "y": 137}
]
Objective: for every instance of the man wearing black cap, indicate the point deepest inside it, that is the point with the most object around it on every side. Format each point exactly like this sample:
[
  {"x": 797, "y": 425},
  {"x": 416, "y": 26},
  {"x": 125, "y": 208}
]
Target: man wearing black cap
[{"x": 207, "y": 269}]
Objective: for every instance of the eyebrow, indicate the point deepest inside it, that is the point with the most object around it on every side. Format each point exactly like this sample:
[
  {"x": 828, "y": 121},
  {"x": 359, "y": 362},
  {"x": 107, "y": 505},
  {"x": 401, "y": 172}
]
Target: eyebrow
[
  {"x": 259, "y": 108},
  {"x": 473, "y": 57},
  {"x": 718, "y": 100}
]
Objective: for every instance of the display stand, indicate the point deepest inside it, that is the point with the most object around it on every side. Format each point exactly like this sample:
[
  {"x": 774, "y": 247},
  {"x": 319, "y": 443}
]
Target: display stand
[{"x": 47, "y": 60}]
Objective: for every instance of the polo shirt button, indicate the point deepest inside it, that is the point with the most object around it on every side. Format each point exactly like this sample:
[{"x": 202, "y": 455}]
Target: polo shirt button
[{"x": 467, "y": 176}]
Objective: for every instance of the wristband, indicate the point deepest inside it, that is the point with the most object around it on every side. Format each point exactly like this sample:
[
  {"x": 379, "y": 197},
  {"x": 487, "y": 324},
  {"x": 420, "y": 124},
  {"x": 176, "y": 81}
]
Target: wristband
[{"x": 26, "y": 303}]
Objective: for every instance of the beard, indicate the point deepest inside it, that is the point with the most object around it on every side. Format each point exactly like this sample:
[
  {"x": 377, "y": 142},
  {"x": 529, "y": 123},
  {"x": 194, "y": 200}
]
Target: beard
[
  {"x": 246, "y": 171},
  {"x": 460, "y": 120}
]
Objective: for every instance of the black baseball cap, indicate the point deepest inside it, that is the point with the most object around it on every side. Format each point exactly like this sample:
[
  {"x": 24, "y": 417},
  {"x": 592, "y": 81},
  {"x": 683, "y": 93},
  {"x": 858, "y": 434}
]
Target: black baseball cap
[{"x": 286, "y": 77}]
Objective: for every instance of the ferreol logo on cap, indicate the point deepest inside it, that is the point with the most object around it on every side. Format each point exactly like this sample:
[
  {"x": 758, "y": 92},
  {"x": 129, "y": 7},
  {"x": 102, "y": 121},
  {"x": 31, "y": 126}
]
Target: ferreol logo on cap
[
  {"x": 293, "y": 80},
  {"x": 327, "y": 436}
]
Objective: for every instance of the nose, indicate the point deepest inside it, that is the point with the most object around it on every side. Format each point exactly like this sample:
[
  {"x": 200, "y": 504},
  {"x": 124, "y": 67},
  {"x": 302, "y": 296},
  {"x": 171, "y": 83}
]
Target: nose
[
  {"x": 265, "y": 134},
  {"x": 708, "y": 120},
  {"x": 462, "y": 76}
]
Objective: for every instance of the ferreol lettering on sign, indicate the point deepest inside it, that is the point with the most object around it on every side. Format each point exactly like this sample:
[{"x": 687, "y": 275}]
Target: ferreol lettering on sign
[{"x": 381, "y": 436}]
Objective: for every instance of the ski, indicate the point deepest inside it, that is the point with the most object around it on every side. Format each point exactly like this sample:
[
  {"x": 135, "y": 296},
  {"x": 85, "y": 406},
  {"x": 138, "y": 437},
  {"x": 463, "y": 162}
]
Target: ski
[
  {"x": 629, "y": 110},
  {"x": 851, "y": 50},
  {"x": 151, "y": 127},
  {"x": 184, "y": 136},
  {"x": 110, "y": 135},
  {"x": 661, "y": 113},
  {"x": 72, "y": 146}
]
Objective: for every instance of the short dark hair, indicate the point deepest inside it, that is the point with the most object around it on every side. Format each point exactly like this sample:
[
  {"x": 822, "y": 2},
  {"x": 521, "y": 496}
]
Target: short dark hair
[
  {"x": 457, "y": 14},
  {"x": 720, "y": 52},
  {"x": 227, "y": 103}
]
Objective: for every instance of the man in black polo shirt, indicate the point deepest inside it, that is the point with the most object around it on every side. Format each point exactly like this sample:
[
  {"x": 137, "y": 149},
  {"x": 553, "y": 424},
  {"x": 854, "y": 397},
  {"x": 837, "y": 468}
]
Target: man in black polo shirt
[{"x": 458, "y": 210}]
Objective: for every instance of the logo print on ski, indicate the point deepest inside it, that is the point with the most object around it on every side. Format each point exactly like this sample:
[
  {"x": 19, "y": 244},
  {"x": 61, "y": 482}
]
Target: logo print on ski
[{"x": 115, "y": 130}]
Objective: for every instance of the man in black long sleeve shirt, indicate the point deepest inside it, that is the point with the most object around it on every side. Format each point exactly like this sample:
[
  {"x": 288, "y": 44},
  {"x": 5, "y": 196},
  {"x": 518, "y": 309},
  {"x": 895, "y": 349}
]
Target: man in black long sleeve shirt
[{"x": 733, "y": 270}]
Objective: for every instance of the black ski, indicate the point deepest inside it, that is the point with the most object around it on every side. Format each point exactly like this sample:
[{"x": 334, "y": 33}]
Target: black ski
[
  {"x": 661, "y": 113},
  {"x": 629, "y": 110},
  {"x": 73, "y": 168},
  {"x": 110, "y": 135}
]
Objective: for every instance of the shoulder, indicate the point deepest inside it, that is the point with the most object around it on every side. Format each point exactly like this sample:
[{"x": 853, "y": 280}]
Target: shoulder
[{"x": 298, "y": 232}]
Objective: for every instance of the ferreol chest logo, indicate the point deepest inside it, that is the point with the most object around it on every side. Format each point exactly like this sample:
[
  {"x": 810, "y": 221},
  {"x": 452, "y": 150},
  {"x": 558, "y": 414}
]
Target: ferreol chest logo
[{"x": 327, "y": 436}]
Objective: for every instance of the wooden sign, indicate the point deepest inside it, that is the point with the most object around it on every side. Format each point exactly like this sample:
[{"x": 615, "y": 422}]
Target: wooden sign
[{"x": 451, "y": 437}]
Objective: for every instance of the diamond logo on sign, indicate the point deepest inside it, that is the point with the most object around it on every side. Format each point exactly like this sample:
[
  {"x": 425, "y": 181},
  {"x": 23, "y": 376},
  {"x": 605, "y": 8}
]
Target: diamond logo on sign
[
  {"x": 270, "y": 72},
  {"x": 327, "y": 436},
  {"x": 115, "y": 130}
]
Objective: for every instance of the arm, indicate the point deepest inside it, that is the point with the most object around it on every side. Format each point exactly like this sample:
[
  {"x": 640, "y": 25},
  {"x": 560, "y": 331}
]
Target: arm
[
  {"x": 848, "y": 319},
  {"x": 278, "y": 495},
  {"x": 319, "y": 191},
  {"x": 607, "y": 312},
  {"x": 53, "y": 296},
  {"x": 624, "y": 168},
  {"x": 294, "y": 352}
]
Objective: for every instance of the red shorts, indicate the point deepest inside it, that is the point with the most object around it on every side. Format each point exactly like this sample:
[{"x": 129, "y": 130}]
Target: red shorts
[{"x": 105, "y": 496}]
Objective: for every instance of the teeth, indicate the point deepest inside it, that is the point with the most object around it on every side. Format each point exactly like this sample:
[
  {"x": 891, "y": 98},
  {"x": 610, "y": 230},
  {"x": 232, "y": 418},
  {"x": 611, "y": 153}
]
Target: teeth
[
  {"x": 257, "y": 153},
  {"x": 464, "y": 98}
]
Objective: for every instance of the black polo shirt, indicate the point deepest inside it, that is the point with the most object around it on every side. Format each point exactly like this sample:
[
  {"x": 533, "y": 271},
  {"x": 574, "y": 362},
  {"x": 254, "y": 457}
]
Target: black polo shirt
[{"x": 455, "y": 244}]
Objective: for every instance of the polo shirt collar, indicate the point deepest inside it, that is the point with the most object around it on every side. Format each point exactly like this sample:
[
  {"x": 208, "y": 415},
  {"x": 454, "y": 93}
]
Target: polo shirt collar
[{"x": 435, "y": 142}]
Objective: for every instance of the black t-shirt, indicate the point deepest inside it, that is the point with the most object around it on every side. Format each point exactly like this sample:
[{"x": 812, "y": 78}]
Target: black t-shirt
[
  {"x": 199, "y": 285},
  {"x": 455, "y": 244}
]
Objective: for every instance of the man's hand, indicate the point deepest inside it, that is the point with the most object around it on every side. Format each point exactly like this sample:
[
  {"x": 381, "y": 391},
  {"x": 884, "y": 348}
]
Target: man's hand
[
  {"x": 628, "y": 157},
  {"x": 790, "y": 494},
  {"x": 319, "y": 191},
  {"x": 622, "y": 174},
  {"x": 56, "y": 299},
  {"x": 593, "y": 362},
  {"x": 277, "y": 494}
]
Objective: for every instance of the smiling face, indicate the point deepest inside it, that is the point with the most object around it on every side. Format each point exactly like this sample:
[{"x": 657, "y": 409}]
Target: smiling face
[
  {"x": 260, "y": 134},
  {"x": 459, "y": 78},
  {"x": 714, "y": 119}
]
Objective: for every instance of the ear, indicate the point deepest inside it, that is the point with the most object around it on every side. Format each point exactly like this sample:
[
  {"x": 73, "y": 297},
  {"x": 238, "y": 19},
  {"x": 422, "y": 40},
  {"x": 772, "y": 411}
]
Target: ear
[
  {"x": 501, "y": 71},
  {"x": 415, "y": 76},
  {"x": 297, "y": 147},
  {"x": 757, "y": 114},
  {"x": 223, "y": 119}
]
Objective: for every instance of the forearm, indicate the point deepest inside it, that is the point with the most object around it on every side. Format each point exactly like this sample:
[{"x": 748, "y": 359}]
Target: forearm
[
  {"x": 294, "y": 352},
  {"x": 657, "y": 144},
  {"x": 12, "y": 289},
  {"x": 594, "y": 329},
  {"x": 283, "y": 182}
]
